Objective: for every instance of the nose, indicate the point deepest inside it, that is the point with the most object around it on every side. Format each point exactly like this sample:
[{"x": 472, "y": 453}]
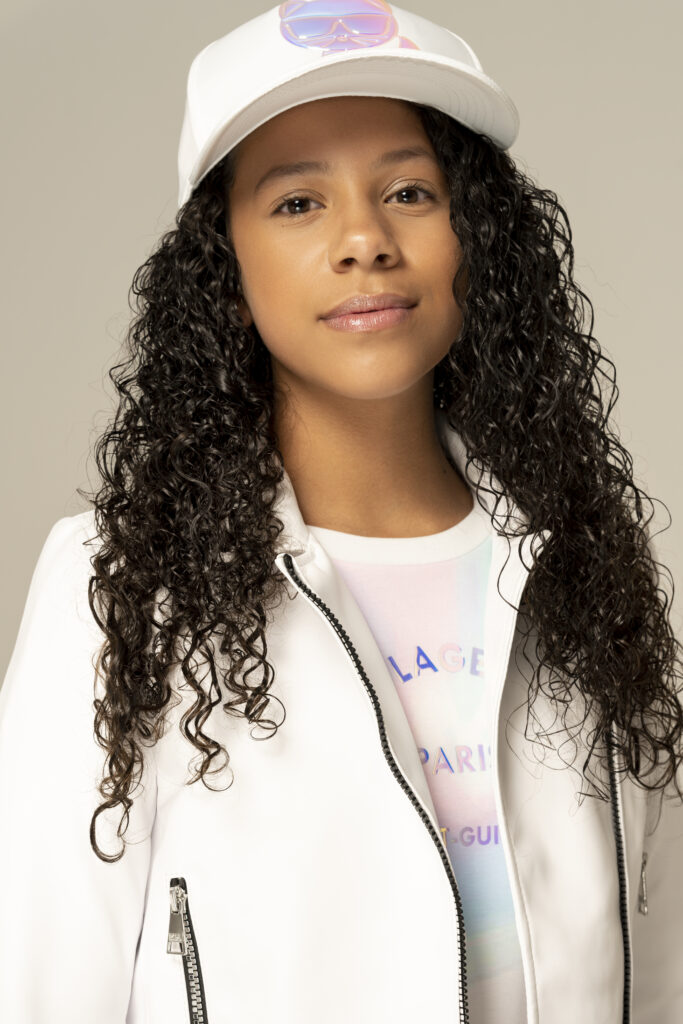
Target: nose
[{"x": 362, "y": 236}]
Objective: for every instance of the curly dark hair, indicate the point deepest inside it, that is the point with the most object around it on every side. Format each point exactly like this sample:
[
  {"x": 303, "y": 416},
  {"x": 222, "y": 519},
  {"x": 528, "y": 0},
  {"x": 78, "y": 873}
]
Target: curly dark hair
[{"x": 190, "y": 468}]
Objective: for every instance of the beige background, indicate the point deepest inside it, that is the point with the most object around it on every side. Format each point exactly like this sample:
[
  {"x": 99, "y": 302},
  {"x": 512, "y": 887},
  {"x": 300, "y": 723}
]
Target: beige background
[{"x": 93, "y": 99}]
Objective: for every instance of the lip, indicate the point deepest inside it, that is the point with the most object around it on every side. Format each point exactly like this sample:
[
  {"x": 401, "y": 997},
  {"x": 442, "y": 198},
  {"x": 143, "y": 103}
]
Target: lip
[
  {"x": 373, "y": 320},
  {"x": 369, "y": 303}
]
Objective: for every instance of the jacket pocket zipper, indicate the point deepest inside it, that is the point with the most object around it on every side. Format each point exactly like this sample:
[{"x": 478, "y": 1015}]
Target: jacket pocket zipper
[
  {"x": 642, "y": 892},
  {"x": 181, "y": 940}
]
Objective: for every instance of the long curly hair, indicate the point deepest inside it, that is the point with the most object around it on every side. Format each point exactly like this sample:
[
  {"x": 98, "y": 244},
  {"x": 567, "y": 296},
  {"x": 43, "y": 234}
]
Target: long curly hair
[{"x": 190, "y": 468}]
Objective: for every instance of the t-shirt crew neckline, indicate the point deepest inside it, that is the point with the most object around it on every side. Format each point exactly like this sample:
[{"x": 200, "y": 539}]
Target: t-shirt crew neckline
[{"x": 433, "y": 547}]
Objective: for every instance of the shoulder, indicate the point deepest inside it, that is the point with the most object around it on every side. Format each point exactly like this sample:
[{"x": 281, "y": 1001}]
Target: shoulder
[
  {"x": 57, "y": 614},
  {"x": 67, "y": 550},
  {"x": 68, "y": 538}
]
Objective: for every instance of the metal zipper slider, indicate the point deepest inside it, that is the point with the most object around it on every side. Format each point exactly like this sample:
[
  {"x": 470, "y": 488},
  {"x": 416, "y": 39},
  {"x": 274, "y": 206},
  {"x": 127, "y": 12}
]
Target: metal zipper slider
[
  {"x": 642, "y": 893},
  {"x": 176, "y": 927}
]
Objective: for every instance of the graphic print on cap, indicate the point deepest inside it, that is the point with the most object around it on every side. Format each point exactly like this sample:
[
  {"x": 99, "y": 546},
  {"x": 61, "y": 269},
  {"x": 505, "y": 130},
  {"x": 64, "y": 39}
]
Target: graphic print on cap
[{"x": 336, "y": 25}]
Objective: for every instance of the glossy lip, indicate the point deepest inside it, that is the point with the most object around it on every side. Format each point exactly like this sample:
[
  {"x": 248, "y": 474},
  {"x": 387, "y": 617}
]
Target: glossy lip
[
  {"x": 373, "y": 320},
  {"x": 368, "y": 303}
]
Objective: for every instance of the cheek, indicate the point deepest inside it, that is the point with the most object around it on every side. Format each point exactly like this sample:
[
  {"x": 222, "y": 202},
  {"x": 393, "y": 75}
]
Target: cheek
[
  {"x": 270, "y": 282},
  {"x": 275, "y": 289},
  {"x": 435, "y": 249}
]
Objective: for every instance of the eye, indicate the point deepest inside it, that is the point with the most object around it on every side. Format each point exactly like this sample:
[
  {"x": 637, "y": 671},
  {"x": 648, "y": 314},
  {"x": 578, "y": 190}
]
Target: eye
[
  {"x": 291, "y": 200},
  {"x": 411, "y": 186}
]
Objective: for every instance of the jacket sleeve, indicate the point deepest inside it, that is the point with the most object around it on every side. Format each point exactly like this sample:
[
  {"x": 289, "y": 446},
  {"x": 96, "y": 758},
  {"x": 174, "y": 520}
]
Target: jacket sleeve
[
  {"x": 657, "y": 937},
  {"x": 69, "y": 921}
]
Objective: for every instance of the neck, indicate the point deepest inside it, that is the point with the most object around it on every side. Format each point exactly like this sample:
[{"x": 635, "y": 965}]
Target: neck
[{"x": 373, "y": 467}]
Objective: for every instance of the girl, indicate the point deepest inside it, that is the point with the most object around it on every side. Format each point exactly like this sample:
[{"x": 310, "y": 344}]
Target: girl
[{"x": 354, "y": 697}]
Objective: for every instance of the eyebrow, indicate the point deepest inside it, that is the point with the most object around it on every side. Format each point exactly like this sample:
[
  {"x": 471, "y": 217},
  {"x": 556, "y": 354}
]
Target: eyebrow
[{"x": 392, "y": 156}]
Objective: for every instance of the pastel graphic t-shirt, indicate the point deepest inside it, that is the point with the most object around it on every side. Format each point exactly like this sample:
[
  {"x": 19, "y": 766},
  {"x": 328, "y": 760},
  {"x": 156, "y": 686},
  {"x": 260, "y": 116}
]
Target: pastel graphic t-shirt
[{"x": 424, "y": 600}]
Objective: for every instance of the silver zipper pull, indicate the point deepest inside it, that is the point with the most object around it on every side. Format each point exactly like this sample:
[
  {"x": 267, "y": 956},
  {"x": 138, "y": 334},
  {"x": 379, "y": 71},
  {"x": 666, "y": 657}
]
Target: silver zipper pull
[
  {"x": 642, "y": 892},
  {"x": 176, "y": 927}
]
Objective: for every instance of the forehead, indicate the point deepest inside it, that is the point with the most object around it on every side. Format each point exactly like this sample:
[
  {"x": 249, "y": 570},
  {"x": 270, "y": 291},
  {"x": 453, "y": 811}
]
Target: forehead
[{"x": 356, "y": 120}]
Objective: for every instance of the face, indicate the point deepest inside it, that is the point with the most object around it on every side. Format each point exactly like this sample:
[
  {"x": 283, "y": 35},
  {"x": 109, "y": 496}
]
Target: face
[{"x": 307, "y": 241}]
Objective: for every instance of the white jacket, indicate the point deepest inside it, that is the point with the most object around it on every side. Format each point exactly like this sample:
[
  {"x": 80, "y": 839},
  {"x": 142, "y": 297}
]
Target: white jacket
[{"x": 319, "y": 888}]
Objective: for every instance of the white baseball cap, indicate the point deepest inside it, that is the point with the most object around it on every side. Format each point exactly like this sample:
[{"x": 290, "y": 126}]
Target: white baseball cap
[{"x": 311, "y": 49}]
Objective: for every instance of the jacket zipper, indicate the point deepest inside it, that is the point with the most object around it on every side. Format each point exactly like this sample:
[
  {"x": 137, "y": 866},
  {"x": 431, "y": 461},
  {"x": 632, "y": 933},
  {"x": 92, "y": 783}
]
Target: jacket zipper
[
  {"x": 181, "y": 940},
  {"x": 618, "y": 826},
  {"x": 464, "y": 1015}
]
